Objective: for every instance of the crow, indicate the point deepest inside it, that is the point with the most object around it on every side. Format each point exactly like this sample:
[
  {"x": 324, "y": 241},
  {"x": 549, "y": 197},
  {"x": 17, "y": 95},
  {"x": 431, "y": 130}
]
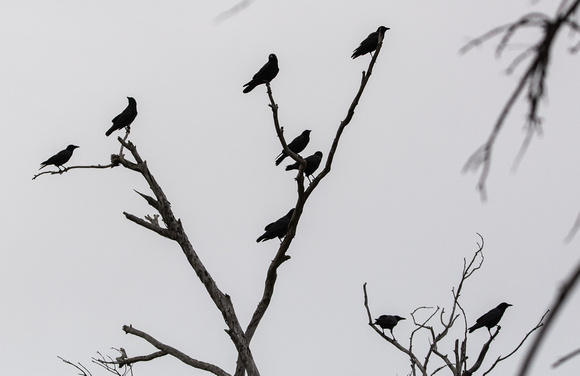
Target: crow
[
  {"x": 125, "y": 118},
  {"x": 277, "y": 229},
  {"x": 265, "y": 74},
  {"x": 59, "y": 158},
  {"x": 296, "y": 145},
  {"x": 388, "y": 322},
  {"x": 312, "y": 163},
  {"x": 370, "y": 43},
  {"x": 491, "y": 318}
]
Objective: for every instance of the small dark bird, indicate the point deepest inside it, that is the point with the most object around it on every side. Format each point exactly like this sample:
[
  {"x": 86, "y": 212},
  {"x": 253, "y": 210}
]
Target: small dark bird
[
  {"x": 388, "y": 322},
  {"x": 265, "y": 74},
  {"x": 277, "y": 229},
  {"x": 125, "y": 118},
  {"x": 59, "y": 158},
  {"x": 370, "y": 43},
  {"x": 312, "y": 163},
  {"x": 491, "y": 318},
  {"x": 296, "y": 145}
]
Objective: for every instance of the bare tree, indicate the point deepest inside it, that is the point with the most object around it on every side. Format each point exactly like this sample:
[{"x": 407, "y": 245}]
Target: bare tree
[
  {"x": 172, "y": 229},
  {"x": 437, "y": 325}
]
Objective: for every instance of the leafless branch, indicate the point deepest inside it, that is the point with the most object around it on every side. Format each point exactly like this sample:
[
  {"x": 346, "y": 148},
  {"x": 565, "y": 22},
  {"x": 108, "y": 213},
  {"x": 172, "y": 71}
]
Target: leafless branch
[
  {"x": 175, "y": 353},
  {"x": 303, "y": 194},
  {"x": 565, "y": 358},
  {"x": 65, "y": 169},
  {"x": 240, "y": 6},
  {"x": 82, "y": 369},
  {"x": 534, "y": 79},
  {"x": 501, "y": 358},
  {"x": 555, "y": 308}
]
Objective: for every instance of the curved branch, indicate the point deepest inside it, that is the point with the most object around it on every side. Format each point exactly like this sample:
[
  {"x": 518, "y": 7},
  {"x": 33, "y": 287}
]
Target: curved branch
[{"x": 176, "y": 353}]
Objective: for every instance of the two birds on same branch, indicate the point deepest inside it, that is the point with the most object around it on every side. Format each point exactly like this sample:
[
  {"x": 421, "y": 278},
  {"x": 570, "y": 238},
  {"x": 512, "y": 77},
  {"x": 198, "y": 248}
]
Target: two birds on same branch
[
  {"x": 123, "y": 120},
  {"x": 488, "y": 320}
]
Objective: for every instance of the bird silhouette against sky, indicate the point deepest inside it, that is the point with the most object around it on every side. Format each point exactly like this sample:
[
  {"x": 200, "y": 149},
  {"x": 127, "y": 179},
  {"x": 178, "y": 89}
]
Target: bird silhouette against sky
[
  {"x": 490, "y": 319},
  {"x": 265, "y": 74},
  {"x": 312, "y": 163},
  {"x": 277, "y": 229},
  {"x": 370, "y": 43},
  {"x": 125, "y": 118},
  {"x": 59, "y": 158},
  {"x": 388, "y": 322},
  {"x": 296, "y": 145}
]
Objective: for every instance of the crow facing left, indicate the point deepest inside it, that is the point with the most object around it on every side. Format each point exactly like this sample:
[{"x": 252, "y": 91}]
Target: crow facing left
[
  {"x": 277, "y": 229},
  {"x": 59, "y": 158}
]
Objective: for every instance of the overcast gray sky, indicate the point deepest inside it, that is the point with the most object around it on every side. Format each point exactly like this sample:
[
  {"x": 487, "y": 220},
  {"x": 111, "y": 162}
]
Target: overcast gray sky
[{"x": 395, "y": 212}]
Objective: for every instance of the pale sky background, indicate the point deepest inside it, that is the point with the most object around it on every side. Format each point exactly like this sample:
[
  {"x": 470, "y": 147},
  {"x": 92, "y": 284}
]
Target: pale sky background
[{"x": 395, "y": 212}]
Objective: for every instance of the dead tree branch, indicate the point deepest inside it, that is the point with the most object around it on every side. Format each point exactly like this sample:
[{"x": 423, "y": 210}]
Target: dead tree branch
[
  {"x": 303, "y": 195},
  {"x": 554, "y": 310},
  {"x": 457, "y": 362},
  {"x": 165, "y": 349},
  {"x": 534, "y": 78}
]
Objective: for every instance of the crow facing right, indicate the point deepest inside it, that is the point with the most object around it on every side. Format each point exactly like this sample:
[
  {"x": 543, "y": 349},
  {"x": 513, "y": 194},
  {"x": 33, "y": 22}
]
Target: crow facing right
[
  {"x": 370, "y": 43},
  {"x": 491, "y": 318},
  {"x": 264, "y": 75},
  {"x": 312, "y": 163},
  {"x": 277, "y": 229},
  {"x": 59, "y": 158},
  {"x": 125, "y": 118},
  {"x": 296, "y": 145},
  {"x": 388, "y": 322}
]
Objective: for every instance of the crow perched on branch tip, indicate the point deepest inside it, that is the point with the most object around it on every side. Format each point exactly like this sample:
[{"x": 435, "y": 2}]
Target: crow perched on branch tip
[
  {"x": 125, "y": 118},
  {"x": 59, "y": 158},
  {"x": 370, "y": 43},
  {"x": 265, "y": 74}
]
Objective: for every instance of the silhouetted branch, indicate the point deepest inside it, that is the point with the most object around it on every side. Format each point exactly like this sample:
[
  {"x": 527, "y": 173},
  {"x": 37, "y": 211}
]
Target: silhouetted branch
[
  {"x": 175, "y": 353},
  {"x": 561, "y": 298},
  {"x": 501, "y": 358},
  {"x": 65, "y": 169},
  {"x": 533, "y": 79},
  {"x": 240, "y": 6},
  {"x": 392, "y": 341},
  {"x": 303, "y": 195},
  {"x": 565, "y": 358},
  {"x": 83, "y": 370}
]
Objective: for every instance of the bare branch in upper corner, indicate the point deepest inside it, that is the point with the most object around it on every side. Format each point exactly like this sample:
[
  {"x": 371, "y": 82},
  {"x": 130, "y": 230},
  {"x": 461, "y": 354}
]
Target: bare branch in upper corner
[{"x": 533, "y": 80}]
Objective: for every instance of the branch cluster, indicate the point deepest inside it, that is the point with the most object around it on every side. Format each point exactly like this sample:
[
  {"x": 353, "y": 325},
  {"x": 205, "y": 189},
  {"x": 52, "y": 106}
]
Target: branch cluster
[
  {"x": 437, "y": 326},
  {"x": 533, "y": 80}
]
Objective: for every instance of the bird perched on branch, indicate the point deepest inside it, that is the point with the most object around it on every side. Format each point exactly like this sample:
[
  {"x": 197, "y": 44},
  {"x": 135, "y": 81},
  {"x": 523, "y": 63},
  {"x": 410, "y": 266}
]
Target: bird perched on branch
[
  {"x": 59, "y": 158},
  {"x": 312, "y": 163},
  {"x": 277, "y": 229},
  {"x": 491, "y": 318},
  {"x": 370, "y": 43},
  {"x": 296, "y": 145},
  {"x": 125, "y": 118},
  {"x": 388, "y": 322},
  {"x": 265, "y": 74}
]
